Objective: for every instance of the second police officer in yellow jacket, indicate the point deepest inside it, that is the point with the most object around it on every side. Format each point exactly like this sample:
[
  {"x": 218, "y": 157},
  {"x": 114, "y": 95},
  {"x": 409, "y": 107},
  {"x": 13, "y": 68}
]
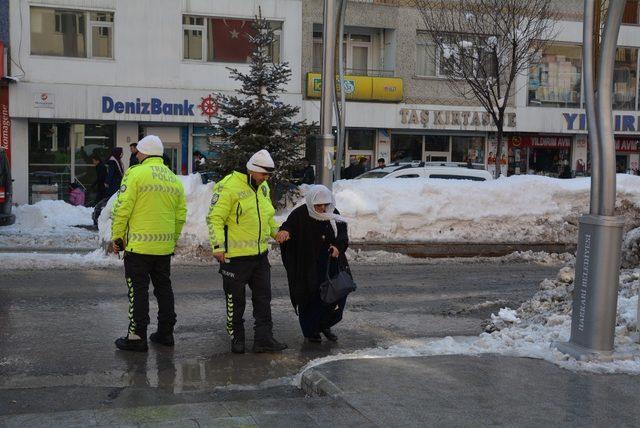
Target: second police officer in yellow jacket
[{"x": 241, "y": 221}]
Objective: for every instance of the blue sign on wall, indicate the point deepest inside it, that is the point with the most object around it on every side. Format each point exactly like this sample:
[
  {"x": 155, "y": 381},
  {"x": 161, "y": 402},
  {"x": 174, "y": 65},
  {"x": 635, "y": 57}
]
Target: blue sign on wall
[{"x": 154, "y": 106}]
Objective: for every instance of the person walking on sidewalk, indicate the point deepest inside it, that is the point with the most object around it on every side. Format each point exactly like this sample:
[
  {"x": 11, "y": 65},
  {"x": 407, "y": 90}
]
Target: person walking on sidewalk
[
  {"x": 148, "y": 216},
  {"x": 311, "y": 237},
  {"x": 114, "y": 171},
  {"x": 241, "y": 220}
]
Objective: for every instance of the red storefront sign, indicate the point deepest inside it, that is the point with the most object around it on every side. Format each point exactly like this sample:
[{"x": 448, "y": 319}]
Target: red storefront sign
[
  {"x": 627, "y": 144},
  {"x": 5, "y": 122},
  {"x": 540, "y": 142}
]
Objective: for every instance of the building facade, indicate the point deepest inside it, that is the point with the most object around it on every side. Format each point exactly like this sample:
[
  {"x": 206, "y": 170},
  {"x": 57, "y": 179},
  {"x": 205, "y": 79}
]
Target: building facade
[
  {"x": 546, "y": 127},
  {"x": 94, "y": 75}
]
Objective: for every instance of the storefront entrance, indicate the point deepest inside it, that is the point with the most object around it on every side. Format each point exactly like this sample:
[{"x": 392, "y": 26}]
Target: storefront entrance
[
  {"x": 170, "y": 137},
  {"x": 437, "y": 148},
  {"x": 540, "y": 155}
]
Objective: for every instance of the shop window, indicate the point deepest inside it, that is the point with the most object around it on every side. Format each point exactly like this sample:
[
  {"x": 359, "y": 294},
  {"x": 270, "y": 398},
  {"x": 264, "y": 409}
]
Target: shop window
[
  {"x": 59, "y": 153},
  {"x": 464, "y": 149},
  {"x": 227, "y": 40},
  {"x": 207, "y": 142},
  {"x": 436, "y": 143},
  {"x": 625, "y": 74},
  {"x": 406, "y": 148},
  {"x": 554, "y": 81},
  {"x": 631, "y": 12},
  {"x": 58, "y": 32},
  {"x": 361, "y": 139}
]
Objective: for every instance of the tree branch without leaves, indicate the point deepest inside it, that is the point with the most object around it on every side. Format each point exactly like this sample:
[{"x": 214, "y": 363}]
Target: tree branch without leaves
[{"x": 482, "y": 46}]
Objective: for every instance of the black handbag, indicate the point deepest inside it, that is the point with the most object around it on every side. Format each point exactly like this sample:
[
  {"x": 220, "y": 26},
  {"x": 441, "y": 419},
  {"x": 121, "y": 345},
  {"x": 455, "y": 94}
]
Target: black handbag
[{"x": 338, "y": 287}]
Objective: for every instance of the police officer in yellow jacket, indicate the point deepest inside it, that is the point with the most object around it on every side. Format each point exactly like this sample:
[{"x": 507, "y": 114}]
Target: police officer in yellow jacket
[
  {"x": 148, "y": 216},
  {"x": 241, "y": 220}
]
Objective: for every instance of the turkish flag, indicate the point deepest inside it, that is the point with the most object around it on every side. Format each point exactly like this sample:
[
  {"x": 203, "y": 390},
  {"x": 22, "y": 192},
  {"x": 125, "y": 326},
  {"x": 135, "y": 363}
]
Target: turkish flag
[{"x": 229, "y": 40}]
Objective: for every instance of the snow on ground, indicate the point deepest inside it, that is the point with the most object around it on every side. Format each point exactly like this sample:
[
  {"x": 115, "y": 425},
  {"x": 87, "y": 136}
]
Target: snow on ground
[
  {"x": 49, "y": 224},
  {"x": 530, "y": 331}
]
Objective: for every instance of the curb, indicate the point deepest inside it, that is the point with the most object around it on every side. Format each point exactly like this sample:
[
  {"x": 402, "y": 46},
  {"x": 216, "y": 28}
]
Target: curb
[
  {"x": 315, "y": 384},
  {"x": 460, "y": 249}
]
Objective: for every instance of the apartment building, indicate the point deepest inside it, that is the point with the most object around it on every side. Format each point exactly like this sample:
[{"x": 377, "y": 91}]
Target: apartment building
[
  {"x": 89, "y": 76},
  {"x": 424, "y": 121}
]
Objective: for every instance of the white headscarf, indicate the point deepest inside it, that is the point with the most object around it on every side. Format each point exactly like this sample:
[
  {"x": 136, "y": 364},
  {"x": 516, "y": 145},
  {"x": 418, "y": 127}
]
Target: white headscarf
[{"x": 317, "y": 195}]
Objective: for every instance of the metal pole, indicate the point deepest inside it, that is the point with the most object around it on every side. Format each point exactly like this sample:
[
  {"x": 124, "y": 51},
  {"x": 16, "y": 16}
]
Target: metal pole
[
  {"x": 343, "y": 106},
  {"x": 590, "y": 34},
  {"x": 604, "y": 111},
  {"x": 595, "y": 292},
  {"x": 328, "y": 84}
]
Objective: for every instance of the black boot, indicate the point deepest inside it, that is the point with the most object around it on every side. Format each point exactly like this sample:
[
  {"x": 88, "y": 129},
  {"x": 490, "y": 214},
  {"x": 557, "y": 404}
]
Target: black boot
[
  {"x": 165, "y": 339},
  {"x": 237, "y": 345},
  {"x": 329, "y": 335},
  {"x": 269, "y": 345},
  {"x": 314, "y": 338},
  {"x": 136, "y": 345}
]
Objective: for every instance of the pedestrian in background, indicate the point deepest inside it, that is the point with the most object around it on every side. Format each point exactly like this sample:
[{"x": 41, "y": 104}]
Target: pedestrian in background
[
  {"x": 314, "y": 241},
  {"x": 133, "y": 159},
  {"x": 241, "y": 219},
  {"x": 148, "y": 217},
  {"x": 114, "y": 171},
  {"x": 100, "y": 183}
]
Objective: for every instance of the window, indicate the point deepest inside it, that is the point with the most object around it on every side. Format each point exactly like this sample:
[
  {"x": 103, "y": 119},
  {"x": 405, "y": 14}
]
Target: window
[
  {"x": 409, "y": 176},
  {"x": 357, "y": 53},
  {"x": 361, "y": 139},
  {"x": 631, "y": 12},
  {"x": 456, "y": 177},
  {"x": 406, "y": 148},
  {"x": 625, "y": 74},
  {"x": 467, "y": 148},
  {"x": 61, "y": 32},
  {"x": 554, "y": 81},
  {"x": 60, "y": 153},
  {"x": 425, "y": 55},
  {"x": 475, "y": 50},
  {"x": 227, "y": 40}
]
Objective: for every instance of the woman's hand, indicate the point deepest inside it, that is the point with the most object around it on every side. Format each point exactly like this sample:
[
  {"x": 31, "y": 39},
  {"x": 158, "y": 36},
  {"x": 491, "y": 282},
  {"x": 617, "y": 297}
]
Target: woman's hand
[
  {"x": 333, "y": 251},
  {"x": 282, "y": 236}
]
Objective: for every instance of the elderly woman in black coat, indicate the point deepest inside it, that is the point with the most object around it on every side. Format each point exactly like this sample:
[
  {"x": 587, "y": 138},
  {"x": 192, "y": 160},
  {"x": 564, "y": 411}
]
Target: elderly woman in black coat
[{"x": 313, "y": 243}]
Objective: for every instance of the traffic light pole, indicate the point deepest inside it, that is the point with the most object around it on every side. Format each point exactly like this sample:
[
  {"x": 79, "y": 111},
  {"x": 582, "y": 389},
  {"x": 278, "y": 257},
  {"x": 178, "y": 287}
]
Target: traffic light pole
[{"x": 595, "y": 293}]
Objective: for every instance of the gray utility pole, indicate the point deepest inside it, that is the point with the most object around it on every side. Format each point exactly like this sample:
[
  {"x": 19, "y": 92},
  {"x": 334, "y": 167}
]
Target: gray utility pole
[
  {"x": 595, "y": 293},
  {"x": 326, "y": 102}
]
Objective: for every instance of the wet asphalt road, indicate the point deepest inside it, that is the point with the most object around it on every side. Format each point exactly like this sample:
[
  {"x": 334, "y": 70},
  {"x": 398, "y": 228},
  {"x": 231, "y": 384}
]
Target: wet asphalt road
[{"x": 57, "y": 330}]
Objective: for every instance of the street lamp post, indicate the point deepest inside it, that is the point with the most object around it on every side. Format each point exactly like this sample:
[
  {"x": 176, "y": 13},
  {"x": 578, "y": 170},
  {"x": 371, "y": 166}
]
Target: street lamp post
[
  {"x": 595, "y": 291},
  {"x": 326, "y": 137}
]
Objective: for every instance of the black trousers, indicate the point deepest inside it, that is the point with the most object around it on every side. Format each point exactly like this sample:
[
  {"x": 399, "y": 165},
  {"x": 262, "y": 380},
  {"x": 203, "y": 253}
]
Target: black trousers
[
  {"x": 139, "y": 269},
  {"x": 256, "y": 272},
  {"x": 316, "y": 316}
]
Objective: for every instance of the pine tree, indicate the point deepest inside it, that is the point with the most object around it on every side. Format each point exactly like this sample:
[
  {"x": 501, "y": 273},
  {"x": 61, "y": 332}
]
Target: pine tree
[{"x": 255, "y": 119}]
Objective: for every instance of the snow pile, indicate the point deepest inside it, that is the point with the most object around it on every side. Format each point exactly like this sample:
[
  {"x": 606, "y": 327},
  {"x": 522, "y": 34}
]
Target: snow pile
[
  {"x": 531, "y": 331},
  {"x": 45, "y": 261},
  {"x": 523, "y": 209},
  {"x": 50, "y": 224},
  {"x": 513, "y": 209}
]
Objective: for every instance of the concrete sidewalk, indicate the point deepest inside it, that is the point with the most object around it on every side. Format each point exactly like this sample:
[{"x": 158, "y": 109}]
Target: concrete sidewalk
[{"x": 476, "y": 391}]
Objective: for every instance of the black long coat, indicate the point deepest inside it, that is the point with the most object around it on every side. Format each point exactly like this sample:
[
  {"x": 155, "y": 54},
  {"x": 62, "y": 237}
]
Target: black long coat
[{"x": 306, "y": 254}]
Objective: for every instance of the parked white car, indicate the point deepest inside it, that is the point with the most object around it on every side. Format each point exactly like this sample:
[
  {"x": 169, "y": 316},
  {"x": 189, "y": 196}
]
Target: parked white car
[{"x": 441, "y": 170}]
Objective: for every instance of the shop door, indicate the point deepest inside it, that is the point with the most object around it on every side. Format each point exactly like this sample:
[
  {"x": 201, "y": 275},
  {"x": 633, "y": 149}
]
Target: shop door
[
  {"x": 170, "y": 138},
  {"x": 88, "y": 140}
]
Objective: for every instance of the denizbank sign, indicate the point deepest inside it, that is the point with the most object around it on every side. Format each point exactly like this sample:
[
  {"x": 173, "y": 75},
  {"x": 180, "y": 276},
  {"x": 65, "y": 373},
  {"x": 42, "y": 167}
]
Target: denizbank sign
[{"x": 152, "y": 106}]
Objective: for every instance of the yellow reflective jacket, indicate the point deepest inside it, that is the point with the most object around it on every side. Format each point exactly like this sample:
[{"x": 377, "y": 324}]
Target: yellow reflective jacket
[
  {"x": 150, "y": 209},
  {"x": 240, "y": 219}
]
